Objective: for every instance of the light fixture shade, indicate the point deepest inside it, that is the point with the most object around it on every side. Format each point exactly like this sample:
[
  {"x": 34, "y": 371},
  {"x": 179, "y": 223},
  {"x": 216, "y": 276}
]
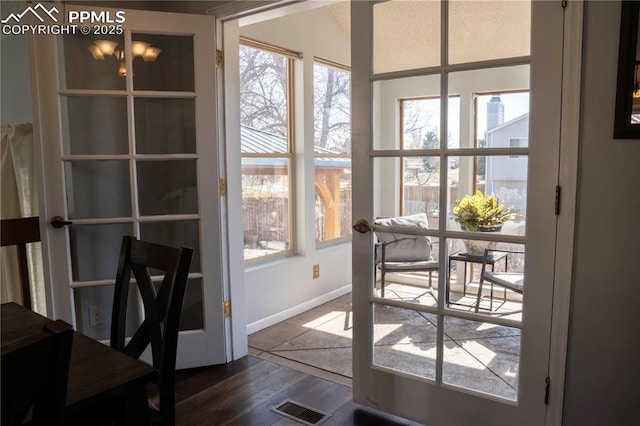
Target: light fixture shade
[
  {"x": 138, "y": 48},
  {"x": 151, "y": 54},
  {"x": 122, "y": 71},
  {"x": 96, "y": 53},
  {"x": 106, "y": 46}
]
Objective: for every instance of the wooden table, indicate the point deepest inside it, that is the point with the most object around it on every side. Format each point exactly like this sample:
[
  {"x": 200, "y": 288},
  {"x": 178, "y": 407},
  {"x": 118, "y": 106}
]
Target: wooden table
[{"x": 97, "y": 373}]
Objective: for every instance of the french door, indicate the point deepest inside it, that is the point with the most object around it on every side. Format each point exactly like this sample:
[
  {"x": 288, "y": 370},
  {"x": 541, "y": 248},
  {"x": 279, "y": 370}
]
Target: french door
[
  {"x": 450, "y": 98},
  {"x": 129, "y": 147}
]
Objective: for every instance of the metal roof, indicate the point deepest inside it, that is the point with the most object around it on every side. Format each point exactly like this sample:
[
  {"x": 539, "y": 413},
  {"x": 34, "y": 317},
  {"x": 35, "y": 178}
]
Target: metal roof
[{"x": 253, "y": 141}]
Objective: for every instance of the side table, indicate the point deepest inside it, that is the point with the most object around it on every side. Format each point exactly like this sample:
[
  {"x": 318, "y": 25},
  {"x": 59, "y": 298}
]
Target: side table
[{"x": 462, "y": 256}]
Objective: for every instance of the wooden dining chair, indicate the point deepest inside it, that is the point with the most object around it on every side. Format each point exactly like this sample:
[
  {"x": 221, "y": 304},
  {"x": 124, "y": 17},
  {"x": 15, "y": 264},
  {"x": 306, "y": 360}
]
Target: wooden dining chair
[
  {"x": 19, "y": 233},
  {"x": 162, "y": 307},
  {"x": 35, "y": 371}
]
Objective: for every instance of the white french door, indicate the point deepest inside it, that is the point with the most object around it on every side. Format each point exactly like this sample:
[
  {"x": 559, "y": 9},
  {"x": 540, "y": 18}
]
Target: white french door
[
  {"x": 127, "y": 122},
  {"x": 450, "y": 98}
]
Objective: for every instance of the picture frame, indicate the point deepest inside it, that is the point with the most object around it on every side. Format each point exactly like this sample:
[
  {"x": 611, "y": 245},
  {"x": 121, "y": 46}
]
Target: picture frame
[{"x": 627, "y": 107}]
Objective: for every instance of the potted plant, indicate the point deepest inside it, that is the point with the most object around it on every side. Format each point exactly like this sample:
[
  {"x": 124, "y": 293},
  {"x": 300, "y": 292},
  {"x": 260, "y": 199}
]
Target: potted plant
[
  {"x": 482, "y": 213},
  {"x": 479, "y": 213}
]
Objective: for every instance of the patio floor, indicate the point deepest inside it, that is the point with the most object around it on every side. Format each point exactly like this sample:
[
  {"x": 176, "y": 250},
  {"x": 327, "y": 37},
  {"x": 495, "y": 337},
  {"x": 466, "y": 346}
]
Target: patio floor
[{"x": 478, "y": 356}]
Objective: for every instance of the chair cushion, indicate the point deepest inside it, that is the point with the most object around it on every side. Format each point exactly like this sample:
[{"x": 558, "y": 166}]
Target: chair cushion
[
  {"x": 404, "y": 247},
  {"x": 513, "y": 281},
  {"x": 424, "y": 265}
]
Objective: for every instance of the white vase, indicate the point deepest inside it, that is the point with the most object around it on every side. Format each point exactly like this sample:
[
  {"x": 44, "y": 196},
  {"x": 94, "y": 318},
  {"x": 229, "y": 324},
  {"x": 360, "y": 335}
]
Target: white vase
[{"x": 477, "y": 247}]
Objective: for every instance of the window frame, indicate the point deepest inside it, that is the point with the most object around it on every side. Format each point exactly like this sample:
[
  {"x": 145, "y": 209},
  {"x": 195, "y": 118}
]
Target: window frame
[{"x": 288, "y": 156}]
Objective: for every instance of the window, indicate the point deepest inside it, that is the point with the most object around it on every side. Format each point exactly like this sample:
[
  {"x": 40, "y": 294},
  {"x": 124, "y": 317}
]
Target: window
[
  {"x": 332, "y": 147},
  {"x": 266, "y": 120}
]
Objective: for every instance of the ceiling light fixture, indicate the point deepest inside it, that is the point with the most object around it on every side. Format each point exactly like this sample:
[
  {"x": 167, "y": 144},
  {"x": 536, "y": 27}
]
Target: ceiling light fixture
[{"x": 101, "y": 48}]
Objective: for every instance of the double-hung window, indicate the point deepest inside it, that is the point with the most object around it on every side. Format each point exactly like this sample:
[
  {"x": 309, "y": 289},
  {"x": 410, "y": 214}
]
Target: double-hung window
[{"x": 266, "y": 120}]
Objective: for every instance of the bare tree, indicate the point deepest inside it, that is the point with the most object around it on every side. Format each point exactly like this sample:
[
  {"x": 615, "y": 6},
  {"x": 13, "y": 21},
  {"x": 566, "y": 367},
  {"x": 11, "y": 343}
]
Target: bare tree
[
  {"x": 332, "y": 114},
  {"x": 263, "y": 90}
]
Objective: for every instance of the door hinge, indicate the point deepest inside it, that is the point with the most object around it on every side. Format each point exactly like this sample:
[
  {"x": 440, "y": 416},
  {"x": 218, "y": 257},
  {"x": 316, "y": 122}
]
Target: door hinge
[
  {"x": 219, "y": 59},
  {"x": 222, "y": 187},
  {"x": 557, "y": 206},
  {"x": 547, "y": 383},
  {"x": 226, "y": 309}
]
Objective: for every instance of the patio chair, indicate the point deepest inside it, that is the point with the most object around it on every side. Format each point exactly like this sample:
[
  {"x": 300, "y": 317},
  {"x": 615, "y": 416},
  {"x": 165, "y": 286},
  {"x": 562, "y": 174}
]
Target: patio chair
[
  {"x": 513, "y": 281},
  {"x": 403, "y": 252}
]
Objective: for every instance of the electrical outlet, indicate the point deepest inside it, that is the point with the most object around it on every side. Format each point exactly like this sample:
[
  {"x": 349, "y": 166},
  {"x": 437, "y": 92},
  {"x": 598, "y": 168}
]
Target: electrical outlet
[
  {"x": 95, "y": 315},
  {"x": 316, "y": 271}
]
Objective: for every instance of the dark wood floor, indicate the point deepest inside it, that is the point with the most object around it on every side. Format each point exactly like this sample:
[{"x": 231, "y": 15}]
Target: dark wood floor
[{"x": 243, "y": 392}]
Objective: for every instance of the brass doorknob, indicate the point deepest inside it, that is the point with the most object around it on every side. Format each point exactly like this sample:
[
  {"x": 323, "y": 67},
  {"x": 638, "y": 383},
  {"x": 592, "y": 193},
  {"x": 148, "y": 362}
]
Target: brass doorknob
[{"x": 362, "y": 226}]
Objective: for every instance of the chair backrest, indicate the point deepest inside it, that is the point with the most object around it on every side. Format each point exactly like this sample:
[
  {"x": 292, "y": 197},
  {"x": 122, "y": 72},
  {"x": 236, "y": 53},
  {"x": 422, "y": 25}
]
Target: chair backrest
[
  {"x": 162, "y": 308},
  {"x": 400, "y": 247},
  {"x": 35, "y": 371},
  {"x": 19, "y": 233}
]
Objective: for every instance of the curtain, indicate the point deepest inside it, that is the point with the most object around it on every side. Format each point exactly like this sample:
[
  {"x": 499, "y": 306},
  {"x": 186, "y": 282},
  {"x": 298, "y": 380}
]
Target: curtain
[{"x": 20, "y": 199}]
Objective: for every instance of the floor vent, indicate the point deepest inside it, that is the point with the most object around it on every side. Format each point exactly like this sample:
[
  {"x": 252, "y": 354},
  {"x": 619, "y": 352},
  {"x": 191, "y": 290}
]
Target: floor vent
[{"x": 300, "y": 413}]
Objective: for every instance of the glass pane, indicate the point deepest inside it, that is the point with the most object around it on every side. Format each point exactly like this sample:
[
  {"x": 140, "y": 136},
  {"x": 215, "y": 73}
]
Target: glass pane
[
  {"x": 331, "y": 110},
  {"x": 192, "y": 313},
  {"x": 406, "y": 35},
  {"x": 495, "y": 195},
  {"x": 414, "y": 121},
  {"x": 407, "y": 185},
  {"x": 487, "y": 30},
  {"x": 464, "y": 274},
  {"x": 503, "y": 120},
  {"x": 101, "y": 297},
  {"x": 183, "y": 233},
  {"x": 94, "y": 125},
  {"x": 91, "y": 62},
  {"x": 95, "y": 250},
  {"x": 165, "y": 126},
  {"x": 98, "y": 188},
  {"x": 332, "y": 198},
  {"x": 482, "y": 357},
  {"x": 404, "y": 340},
  {"x": 163, "y": 62},
  {"x": 167, "y": 187},
  {"x": 266, "y": 206},
  {"x": 494, "y": 103},
  {"x": 263, "y": 97}
]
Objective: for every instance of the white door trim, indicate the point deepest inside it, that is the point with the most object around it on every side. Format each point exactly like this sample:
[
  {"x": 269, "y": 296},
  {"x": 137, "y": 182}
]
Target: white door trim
[{"x": 568, "y": 182}]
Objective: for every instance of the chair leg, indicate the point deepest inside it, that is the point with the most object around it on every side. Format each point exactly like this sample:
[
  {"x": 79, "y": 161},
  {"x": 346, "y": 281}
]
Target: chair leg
[
  {"x": 382, "y": 282},
  {"x": 491, "y": 299},
  {"x": 479, "y": 294}
]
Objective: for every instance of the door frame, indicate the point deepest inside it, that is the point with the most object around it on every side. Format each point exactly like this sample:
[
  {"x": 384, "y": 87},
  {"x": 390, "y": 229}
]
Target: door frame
[{"x": 568, "y": 184}]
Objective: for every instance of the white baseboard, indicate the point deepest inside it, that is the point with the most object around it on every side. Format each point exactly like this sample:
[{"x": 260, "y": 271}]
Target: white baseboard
[{"x": 298, "y": 309}]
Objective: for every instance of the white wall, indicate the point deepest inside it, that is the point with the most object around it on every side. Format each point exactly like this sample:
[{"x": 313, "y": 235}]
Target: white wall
[
  {"x": 280, "y": 289},
  {"x": 603, "y": 372}
]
